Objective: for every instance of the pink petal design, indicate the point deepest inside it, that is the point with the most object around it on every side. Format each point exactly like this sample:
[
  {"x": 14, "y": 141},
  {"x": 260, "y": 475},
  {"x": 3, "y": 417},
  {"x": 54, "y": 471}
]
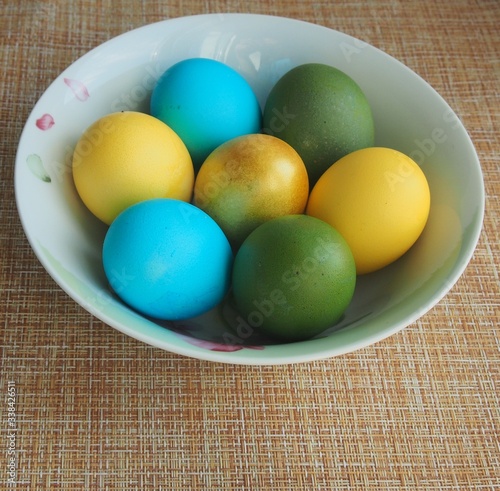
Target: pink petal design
[
  {"x": 79, "y": 89},
  {"x": 214, "y": 346},
  {"x": 45, "y": 122}
]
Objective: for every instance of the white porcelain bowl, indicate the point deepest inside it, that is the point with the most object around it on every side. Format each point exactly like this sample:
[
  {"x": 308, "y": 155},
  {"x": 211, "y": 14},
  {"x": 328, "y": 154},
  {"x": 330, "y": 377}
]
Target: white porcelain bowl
[{"x": 120, "y": 74}]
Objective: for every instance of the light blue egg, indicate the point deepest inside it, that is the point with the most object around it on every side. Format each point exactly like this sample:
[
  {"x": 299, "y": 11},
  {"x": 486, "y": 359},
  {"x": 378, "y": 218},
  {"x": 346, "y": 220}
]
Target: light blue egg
[
  {"x": 167, "y": 259},
  {"x": 206, "y": 103}
]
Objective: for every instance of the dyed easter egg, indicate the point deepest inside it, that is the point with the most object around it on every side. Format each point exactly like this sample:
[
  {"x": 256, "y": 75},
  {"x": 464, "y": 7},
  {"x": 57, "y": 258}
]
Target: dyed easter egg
[
  {"x": 167, "y": 259},
  {"x": 206, "y": 103}
]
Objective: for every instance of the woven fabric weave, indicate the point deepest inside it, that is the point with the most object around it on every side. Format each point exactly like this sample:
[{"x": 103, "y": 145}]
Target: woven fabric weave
[{"x": 99, "y": 410}]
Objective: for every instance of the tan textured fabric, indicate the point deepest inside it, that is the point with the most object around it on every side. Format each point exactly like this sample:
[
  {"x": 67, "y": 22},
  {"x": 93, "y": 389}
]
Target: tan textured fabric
[{"x": 98, "y": 410}]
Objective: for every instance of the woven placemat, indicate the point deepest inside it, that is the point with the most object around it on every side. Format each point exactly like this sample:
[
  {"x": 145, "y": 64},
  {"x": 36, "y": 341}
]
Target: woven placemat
[{"x": 95, "y": 409}]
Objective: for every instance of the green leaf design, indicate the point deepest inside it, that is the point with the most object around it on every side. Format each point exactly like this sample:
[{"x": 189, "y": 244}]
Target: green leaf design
[{"x": 35, "y": 165}]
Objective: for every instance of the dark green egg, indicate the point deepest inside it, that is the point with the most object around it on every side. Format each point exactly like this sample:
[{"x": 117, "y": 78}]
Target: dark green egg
[
  {"x": 293, "y": 277},
  {"x": 322, "y": 113}
]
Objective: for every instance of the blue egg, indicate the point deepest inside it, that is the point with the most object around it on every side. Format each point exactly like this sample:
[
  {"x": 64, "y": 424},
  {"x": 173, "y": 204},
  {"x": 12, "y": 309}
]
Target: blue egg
[
  {"x": 206, "y": 103},
  {"x": 167, "y": 259}
]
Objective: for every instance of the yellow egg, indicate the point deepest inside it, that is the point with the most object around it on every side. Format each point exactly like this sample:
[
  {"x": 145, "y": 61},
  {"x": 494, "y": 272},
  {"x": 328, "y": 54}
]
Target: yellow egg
[
  {"x": 378, "y": 199},
  {"x": 127, "y": 157}
]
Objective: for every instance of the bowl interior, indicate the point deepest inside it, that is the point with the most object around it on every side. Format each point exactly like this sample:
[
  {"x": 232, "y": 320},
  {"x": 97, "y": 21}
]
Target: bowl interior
[{"x": 120, "y": 75}]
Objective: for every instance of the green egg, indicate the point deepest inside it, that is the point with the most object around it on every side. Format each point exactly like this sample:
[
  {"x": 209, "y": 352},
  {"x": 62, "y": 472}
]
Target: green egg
[
  {"x": 322, "y": 113},
  {"x": 293, "y": 277}
]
